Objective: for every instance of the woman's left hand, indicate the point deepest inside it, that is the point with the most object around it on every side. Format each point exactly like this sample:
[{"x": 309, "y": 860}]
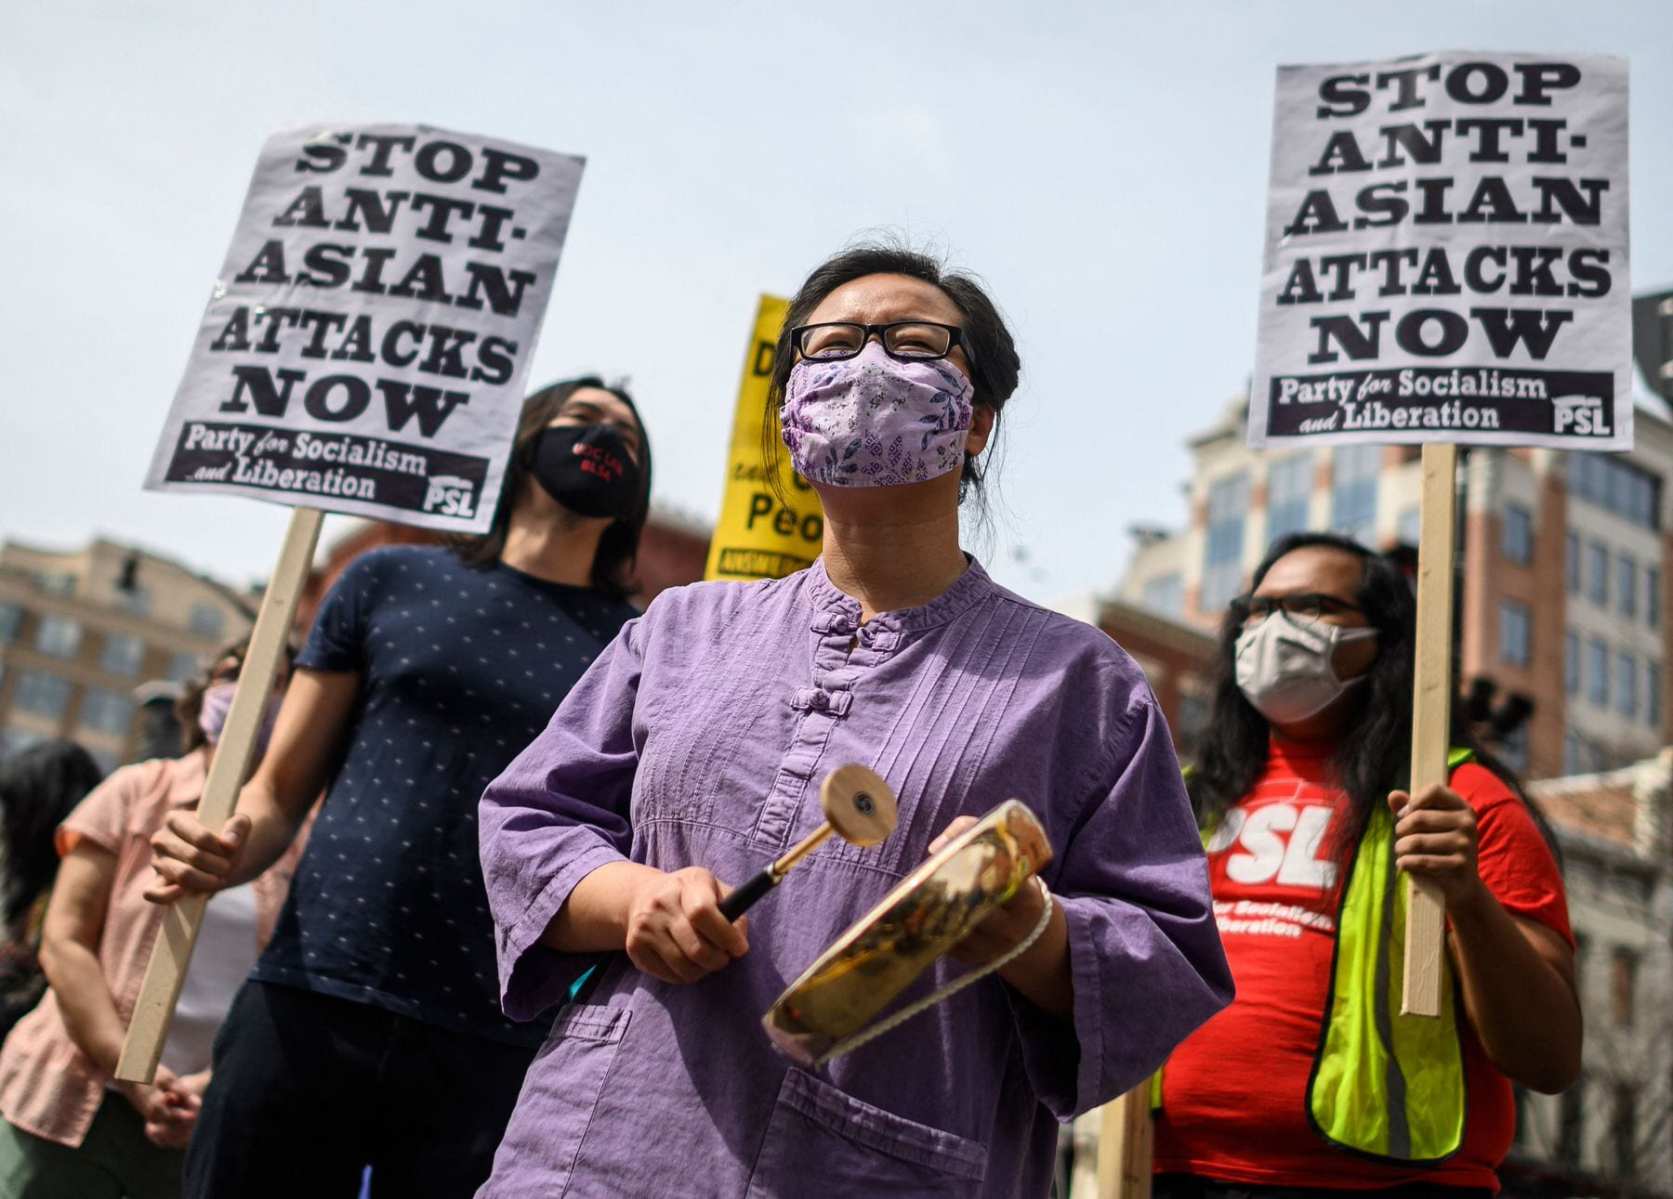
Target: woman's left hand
[
  {"x": 1003, "y": 928},
  {"x": 1435, "y": 841}
]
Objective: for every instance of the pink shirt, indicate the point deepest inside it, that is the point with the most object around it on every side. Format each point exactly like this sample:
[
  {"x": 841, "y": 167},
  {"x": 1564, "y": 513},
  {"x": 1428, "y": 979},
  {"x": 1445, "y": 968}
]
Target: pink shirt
[{"x": 48, "y": 1086}]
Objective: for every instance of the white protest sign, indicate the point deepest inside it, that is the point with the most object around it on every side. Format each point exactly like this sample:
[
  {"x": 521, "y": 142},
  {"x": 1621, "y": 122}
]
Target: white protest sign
[
  {"x": 1446, "y": 254},
  {"x": 366, "y": 345}
]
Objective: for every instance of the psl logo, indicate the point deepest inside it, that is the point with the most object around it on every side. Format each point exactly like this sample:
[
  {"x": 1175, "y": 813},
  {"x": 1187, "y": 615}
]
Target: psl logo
[
  {"x": 1277, "y": 843},
  {"x": 1582, "y": 415},
  {"x": 450, "y": 495}
]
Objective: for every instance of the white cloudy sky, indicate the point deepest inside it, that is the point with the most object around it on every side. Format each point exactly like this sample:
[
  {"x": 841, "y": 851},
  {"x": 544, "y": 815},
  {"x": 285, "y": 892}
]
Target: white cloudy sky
[{"x": 1101, "y": 165}]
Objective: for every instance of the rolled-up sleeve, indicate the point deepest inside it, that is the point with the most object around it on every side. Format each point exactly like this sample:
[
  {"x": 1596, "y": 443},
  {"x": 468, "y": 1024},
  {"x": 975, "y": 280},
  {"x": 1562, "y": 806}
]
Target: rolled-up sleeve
[
  {"x": 557, "y": 813},
  {"x": 1145, "y": 959}
]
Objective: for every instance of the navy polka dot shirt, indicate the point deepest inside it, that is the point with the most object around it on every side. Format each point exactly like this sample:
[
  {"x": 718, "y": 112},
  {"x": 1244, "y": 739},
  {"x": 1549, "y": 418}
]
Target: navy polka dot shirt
[{"x": 461, "y": 668}]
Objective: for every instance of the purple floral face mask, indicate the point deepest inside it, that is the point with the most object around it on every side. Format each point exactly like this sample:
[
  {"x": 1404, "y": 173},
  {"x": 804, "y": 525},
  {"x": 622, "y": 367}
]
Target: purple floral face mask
[{"x": 873, "y": 421}]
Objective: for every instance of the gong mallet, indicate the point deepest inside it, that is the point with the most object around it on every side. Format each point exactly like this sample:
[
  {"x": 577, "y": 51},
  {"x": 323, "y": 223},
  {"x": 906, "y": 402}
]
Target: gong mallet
[{"x": 859, "y": 808}]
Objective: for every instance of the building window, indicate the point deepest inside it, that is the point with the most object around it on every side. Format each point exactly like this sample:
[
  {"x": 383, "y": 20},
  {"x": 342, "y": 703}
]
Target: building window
[
  {"x": 58, "y": 636},
  {"x": 1513, "y": 748},
  {"x": 1289, "y": 489},
  {"x": 1571, "y": 662},
  {"x": 58, "y": 584},
  {"x": 1597, "y": 672},
  {"x": 1626, "y": 683},
  {"x": 11, "y": 620},
  {"x": 12, "y": 740},
  {"x": 1513, "y": 633},
  {"x": 44, "y": 694},
  {"x": 106, "y": 712},
  {"x": 1652, "y": 597},
  {"x": 1574, "y": 753},
  {"x": 1571, "y": 1124},
  {"x": 1164, "y": 594},
  {"x": 1623, "y": 985},
  {"x": 1623, "y": 1131},
  {"x": 1626, "y": 585},
  {"x": 182, "y": 667},
  {"x": 135, "y": 600},
  {"x": 1612, "y": 483},
  {"x": 1408, "y": 526},
  {"x": 1597, "y": 573},
  {"x": 1652, "y": 693},
  {"x": 207, "y": 620},
  {"x": 1353, "y": 491},
  {"x": 1222, "y": 575},
  {"x": 1516, "y": 535},
  {"x": 122, "y": 654}
]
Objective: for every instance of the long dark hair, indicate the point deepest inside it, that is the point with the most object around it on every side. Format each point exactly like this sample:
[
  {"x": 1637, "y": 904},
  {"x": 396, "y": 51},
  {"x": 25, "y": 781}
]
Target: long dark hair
[
  {"x": 993, "y": 373},
  {"x": 39, "y": 786},
  {"x": 1372, "y": 759},
  {"x": 618, "y": 547}
]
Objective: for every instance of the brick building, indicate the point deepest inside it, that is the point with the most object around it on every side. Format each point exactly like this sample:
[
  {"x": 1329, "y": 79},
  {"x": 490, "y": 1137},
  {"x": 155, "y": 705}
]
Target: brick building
[
  {"x": 80, "y": 630},
  {"x": 1612, "y": 1132}
]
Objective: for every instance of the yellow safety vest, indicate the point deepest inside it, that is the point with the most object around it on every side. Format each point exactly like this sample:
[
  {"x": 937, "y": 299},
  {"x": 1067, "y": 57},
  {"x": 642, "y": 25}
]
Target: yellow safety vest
[{"x": 1383, "y": 1085}]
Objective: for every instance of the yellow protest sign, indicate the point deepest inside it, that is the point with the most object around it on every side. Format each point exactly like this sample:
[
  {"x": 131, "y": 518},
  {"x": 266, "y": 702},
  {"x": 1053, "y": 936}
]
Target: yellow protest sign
[{"x": 760, "y": 536}]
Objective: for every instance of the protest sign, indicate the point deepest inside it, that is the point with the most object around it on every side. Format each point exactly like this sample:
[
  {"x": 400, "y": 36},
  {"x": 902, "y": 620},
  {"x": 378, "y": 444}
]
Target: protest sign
[
  {"x": 763, "y": 532},
  {"x": 363, "y": 351},
  {"x": 366, "y": 345},
  {"x": 1446, "y": 254},
  {"x": 1446, "y": 263}
]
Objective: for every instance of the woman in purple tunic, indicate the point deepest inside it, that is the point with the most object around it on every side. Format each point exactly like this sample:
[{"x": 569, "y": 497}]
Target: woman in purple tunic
[{"x": 690, "y": 755}]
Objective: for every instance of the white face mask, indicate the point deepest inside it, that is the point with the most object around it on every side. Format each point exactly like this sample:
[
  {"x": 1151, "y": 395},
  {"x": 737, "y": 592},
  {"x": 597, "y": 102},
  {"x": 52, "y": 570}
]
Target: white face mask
[{"x": 1285, "y": 668}]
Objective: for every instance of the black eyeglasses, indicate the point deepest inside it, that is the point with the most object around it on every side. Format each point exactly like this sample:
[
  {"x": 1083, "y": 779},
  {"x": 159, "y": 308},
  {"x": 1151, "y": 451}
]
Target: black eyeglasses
[
  {"x": 908, "y": 341},
  {"x": 1307, "y": 607}
]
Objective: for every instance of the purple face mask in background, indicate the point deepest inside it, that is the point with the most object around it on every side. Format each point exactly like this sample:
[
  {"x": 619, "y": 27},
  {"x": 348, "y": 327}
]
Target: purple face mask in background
[
  {"x": 217, "y": 702},
  {"x": 873, "y": 421}
]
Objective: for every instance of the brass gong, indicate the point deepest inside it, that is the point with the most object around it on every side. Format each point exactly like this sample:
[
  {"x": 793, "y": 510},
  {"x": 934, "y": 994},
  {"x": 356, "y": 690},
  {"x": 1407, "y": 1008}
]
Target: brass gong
[{"x": 929, "y": 912}]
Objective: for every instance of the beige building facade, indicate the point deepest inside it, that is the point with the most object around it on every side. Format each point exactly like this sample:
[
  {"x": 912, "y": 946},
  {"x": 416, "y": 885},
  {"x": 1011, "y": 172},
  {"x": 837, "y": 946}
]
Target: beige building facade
[{"x": 81, "y": 629}]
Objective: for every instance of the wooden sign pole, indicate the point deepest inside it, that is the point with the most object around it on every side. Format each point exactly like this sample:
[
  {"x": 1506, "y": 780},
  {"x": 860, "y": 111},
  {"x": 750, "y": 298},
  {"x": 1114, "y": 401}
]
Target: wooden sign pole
[
  {"x": 172, "y": 952},
  {"x": 1124, "y": 1148},
  {"x": 1431, "y": 712}
]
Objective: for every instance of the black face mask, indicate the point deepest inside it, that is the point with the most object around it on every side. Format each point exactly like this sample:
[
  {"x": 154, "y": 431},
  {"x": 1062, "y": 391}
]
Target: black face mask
[{"x": 586, "y": 468}]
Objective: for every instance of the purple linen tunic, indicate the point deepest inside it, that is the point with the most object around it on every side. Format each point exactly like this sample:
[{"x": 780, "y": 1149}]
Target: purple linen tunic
[{"x": 699, "y": 737}]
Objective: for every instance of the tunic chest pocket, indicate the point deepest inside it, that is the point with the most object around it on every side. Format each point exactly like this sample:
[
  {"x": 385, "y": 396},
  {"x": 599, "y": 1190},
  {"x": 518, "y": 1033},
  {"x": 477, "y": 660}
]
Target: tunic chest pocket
[{"x": 820, "y": 1137}]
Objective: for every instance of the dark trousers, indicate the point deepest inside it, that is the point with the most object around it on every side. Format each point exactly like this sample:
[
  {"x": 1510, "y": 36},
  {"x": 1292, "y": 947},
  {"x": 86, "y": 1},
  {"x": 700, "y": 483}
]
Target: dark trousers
[
  {"x": 1191, "y": 1186},
  {"x": 308, "y": 1090}
]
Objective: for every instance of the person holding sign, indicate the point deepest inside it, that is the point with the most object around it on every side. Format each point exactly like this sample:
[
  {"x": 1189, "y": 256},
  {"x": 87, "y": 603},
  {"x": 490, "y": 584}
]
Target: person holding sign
[
  {"x": 68, "y": 1129},
  {"x": 369, "y": 1031},
  {"x": 1313, "y": 1078},
  {"x": 690, "y": 756}
]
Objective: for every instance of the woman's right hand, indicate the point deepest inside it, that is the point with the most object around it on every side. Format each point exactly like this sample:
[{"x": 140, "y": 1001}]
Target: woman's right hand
[
  {"x": 675, "y": 931},
  {"x": 188, "y": 857},
  {"x": 153, "y": 1101}
]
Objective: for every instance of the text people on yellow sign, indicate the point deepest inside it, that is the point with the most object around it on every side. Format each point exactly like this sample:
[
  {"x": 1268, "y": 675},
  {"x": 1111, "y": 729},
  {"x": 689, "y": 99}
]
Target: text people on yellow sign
[{"x": 760, "y": 535}]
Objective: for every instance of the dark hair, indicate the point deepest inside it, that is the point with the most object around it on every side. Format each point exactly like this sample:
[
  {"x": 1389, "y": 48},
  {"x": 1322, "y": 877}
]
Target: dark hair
[
  {"x": 993, "y": 372},
  {"x": 618, "y": 547},
  {"x": 39, "y": 786},
  {"x": 1376, "y": 758},
  {"x": 190, "y": 704}
]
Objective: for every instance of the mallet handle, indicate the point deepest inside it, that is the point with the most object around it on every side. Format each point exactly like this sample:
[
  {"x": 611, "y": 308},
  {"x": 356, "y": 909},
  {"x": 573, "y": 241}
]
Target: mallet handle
[{"x": 741, "y": 900}]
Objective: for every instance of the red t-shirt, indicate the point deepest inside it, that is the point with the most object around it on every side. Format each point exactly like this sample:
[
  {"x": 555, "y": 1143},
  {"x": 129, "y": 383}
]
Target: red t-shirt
[{"x": 1234, "y": 1094}]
